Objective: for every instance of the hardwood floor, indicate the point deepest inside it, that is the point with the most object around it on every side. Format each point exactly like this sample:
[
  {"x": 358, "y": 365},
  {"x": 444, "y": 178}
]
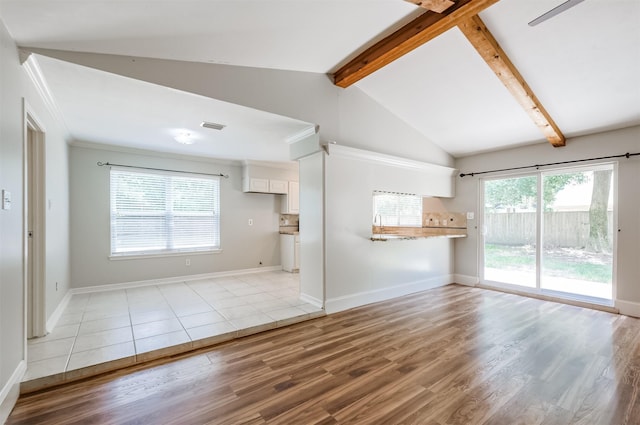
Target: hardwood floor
[{"x": 452, "y": 355}]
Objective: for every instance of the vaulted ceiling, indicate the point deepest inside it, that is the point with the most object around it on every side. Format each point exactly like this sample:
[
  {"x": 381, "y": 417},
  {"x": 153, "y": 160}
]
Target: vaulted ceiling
[{"x": 581, "y": 65}]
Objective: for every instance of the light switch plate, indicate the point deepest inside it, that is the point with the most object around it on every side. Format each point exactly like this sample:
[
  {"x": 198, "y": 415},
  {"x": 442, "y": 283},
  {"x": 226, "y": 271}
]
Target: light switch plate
[{"x": 6, "y": 200}]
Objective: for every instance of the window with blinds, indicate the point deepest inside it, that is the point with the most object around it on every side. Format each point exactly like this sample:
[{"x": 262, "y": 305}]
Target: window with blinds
[
  {"x": 397, "y": 209},
  {"x": 158, "y": 213}
]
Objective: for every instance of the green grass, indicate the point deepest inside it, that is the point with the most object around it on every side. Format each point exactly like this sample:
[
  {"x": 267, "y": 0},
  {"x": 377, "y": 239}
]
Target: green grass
[{"x": 523, "y": 258}]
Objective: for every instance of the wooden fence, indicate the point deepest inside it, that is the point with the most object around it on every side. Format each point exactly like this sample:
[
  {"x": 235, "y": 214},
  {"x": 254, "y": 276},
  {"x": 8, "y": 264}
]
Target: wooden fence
[{"x": 561, "y": 228}]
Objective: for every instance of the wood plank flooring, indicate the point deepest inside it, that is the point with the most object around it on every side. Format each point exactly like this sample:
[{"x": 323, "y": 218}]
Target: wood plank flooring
[{"x": 449, "y": 356}]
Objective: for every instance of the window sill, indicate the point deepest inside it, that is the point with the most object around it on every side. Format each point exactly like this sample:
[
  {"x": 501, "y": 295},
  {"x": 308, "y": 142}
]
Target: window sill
[{"x": 161, "y": 255}]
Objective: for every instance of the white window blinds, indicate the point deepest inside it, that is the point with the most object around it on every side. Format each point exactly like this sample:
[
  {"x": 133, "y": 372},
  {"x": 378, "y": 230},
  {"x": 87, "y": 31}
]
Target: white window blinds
[
  {"x": 156, "y": 213},
  {"x": 397, "y": 209}
]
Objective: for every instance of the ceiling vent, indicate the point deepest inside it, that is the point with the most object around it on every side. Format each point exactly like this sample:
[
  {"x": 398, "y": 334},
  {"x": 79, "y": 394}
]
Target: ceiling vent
[{"x": 212, "y": 125}]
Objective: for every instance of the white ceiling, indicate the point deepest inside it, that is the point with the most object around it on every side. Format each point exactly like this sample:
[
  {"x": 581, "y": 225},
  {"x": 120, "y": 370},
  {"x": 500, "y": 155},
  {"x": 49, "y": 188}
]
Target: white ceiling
[
  {"x": 101, "y": 107},
  {"x": 298, "y": 35},
  {"x": 582, "y": 65}
]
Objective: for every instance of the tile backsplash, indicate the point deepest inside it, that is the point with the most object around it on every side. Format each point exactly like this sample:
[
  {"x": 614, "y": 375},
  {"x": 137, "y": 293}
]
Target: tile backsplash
[{"x": 289, "y": 222}]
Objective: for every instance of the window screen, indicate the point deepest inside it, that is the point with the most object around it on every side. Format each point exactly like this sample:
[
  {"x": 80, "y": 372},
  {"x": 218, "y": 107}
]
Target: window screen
[
  {"x": 156, "y": 213},
  {"x": 397, "y": 209}
]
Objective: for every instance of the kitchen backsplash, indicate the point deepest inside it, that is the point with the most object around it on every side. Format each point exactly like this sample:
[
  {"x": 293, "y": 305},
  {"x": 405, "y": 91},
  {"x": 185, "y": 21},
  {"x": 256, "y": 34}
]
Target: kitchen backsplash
[{"x": 289, "y": 222}]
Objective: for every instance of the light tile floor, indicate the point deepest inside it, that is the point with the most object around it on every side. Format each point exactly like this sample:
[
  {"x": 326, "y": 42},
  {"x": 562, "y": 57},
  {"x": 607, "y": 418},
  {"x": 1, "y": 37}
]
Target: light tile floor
[{"x": 123, "y": 327}]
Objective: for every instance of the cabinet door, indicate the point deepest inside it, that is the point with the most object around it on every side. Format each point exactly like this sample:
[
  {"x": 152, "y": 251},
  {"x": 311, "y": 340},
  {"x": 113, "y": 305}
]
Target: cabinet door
[
  {"x": 296, "y": 254},
  {"x": 278, "y": 186},
  {"x": 258, "y": 185},
  {"x": 294, "y": 198},
  {"x": 287, "y": 252}
]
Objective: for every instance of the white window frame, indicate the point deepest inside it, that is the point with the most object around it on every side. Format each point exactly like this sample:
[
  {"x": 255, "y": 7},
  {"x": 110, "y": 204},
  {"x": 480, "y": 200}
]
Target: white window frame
[
  {"x": 397, "y": 220},
  {"x": 169, "y": 214},
  {"x": 538, "y": 290}
]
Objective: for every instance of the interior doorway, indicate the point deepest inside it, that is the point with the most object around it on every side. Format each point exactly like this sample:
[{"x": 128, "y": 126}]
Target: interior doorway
[{"x": 34, "y": 223}]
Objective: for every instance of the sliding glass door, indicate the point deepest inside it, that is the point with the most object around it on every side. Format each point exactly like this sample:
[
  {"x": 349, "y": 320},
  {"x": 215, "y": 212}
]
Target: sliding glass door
[
  {"x": 510, "y": 226},
  {"x": 577, "y": 247},
  {"x": 551, "y": 231}
]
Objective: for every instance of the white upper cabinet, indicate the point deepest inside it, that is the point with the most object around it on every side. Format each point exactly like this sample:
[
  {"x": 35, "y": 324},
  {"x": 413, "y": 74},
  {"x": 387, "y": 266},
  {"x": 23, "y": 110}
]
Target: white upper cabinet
[
  {"x": 260, "y": 177},
  {"x": 291, "y": 202},
  {"x": 279, "y": 186},
  {"x": 256, "y": 185}
]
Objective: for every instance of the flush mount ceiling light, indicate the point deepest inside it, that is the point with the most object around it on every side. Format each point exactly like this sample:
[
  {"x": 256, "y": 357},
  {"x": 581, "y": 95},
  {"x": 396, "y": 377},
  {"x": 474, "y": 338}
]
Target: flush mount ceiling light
[
  {"x": 184, "y": 138},
  {"x": 212, "y": 125}
]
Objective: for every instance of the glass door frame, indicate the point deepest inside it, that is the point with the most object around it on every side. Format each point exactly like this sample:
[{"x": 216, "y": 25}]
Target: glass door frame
[{"x": 538, "y": 290}]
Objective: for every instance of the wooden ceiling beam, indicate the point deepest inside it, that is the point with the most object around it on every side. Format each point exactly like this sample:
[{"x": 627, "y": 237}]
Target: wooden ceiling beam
[
  {"x": 483, "y": 41},
  {"x": 433, "y": 5},
  {"x": 425, "y": 27}
]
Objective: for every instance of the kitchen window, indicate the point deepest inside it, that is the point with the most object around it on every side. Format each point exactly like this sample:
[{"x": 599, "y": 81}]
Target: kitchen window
[
  {"x": 397, "y": 209},
  {"x": 156, "y": 213}
]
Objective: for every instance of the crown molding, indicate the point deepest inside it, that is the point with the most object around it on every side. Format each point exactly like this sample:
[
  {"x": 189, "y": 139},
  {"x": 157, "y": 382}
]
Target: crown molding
[
  {"x": 389, "y": 160},
  {"x": 310, "y": 131},
  {"x": 32, "y": 68}
]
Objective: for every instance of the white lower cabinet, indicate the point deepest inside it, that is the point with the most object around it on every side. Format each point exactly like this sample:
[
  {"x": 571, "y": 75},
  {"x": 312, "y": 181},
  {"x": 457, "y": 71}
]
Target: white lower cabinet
[{"x": 290, "y": 252}]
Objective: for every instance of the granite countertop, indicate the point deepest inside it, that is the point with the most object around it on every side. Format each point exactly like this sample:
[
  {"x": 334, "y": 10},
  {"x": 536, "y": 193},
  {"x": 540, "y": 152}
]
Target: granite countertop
[
  {"x": 385, "y": 237},
  {"x": 289, "y": 232}
]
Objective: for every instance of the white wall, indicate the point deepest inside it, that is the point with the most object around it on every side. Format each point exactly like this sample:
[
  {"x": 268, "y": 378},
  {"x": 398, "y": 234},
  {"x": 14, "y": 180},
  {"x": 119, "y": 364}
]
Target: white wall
[
  {"x": 15, "y": 86},
  {"x": 57, "y": 251},
  {"x": 11, "y": 223},
  {"x": 243, "y": 246},
  {"x": 312, "y": 263},
  {"x": 358, "y": 270},
  {"x": 595, "y": 145},
  {"x": 365, "y": 124}
]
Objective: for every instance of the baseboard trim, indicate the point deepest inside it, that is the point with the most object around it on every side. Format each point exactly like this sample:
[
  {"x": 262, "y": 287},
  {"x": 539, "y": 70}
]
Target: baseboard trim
[
  {"x": 176, "y": 279},
  {"x": 311, "y": 300},
  {"x": 628, "y": 308},
  {"x": 57, "y": 313},
  {"x": 345, "y": 302},
  {"x": 462, "y": 279},
  {"x": 11, "y": 391}
]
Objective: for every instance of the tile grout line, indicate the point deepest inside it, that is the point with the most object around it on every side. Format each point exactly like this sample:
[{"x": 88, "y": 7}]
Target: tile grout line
[
  {"x": 214, "y": 307},
  {"x": 133, "y": 336},
  {"x": 75, "y": 338},
  {"x": 176, "y": 316},
  {"x": 258, "y": 285}
]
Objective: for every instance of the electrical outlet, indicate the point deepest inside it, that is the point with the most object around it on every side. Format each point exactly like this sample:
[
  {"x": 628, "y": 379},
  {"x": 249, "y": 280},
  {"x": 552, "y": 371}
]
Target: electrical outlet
[
  {"x": 187, "y": 262},
  {"x": 470, "y": 215},
  {"x": 6, "y": 200},
  {"x": 250, "y": 222}
]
